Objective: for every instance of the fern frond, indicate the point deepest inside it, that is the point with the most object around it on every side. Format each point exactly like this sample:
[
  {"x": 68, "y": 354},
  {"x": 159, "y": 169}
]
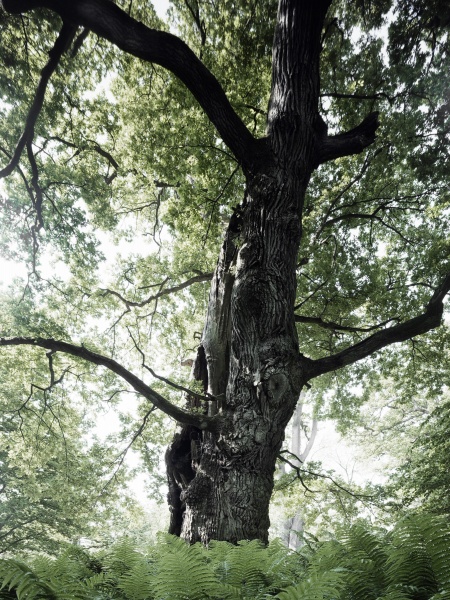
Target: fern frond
[
  {"x": 394, "y": 595},
  {"x": 18, "y": 576},
  {"x": 286, "y": 567},
  {"x": 121, "y": 558},
  {"x": 324, "y": 586},
  {"x": 183, "y": 572},
  {"x": 444, "y": 595},
  {"x": 410, "y": 565},
  {"x": 137, "y": 583}
]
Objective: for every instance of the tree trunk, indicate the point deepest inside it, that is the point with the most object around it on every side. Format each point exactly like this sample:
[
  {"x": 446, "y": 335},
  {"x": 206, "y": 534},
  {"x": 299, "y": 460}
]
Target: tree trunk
[
  {"x": 254, "y": 373},
  {"x": 255, "y": 370}
]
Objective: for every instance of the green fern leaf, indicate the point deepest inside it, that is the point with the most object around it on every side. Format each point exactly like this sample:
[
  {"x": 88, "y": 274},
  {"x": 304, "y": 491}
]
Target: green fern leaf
[{"x": 325, "y": 586}]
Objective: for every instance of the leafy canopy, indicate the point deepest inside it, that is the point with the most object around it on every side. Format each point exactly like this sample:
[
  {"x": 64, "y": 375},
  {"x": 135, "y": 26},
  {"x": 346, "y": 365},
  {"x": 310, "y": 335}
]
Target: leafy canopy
[{"x": 126, "y": 190}]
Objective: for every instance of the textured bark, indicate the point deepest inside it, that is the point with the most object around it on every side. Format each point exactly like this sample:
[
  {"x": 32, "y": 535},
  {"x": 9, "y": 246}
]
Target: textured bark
[
  {"x": 255, "y": 369},
  {"x": 222, "y": 460},
  {"x": 250, "y": 339}
]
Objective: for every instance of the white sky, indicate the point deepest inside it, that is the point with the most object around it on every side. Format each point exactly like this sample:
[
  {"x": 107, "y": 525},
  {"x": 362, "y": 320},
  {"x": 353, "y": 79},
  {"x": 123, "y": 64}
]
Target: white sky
[
  {"x": 328, "y": 446},
  {"x": 161, "y": 7}
]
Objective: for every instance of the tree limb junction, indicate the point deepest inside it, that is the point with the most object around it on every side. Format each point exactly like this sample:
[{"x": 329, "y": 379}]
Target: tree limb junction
[
  {"x": 109, "y": 21},
  {"x": 350, "y": 142},
  {"x": 182, "y": 416}
]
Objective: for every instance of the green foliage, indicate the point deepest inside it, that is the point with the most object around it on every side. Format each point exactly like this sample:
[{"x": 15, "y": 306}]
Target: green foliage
[
  {"x": 53, "y": 474},
  {"x": 410, "y": 562},
  {"x": 137, "y": 191},
  {"x": 423, "y": 477}
]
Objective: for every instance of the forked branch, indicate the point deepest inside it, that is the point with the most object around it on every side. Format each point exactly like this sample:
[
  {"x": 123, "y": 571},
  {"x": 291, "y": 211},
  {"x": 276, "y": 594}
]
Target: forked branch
[
  {"x": 430, "y": 319},
  {"x": 182, "y": 416},
  {"x": 107, "y": 20}
]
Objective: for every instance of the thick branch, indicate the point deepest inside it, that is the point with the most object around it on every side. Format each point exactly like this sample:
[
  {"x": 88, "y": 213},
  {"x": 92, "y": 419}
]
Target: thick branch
[
  {"x": 351, "y": 142},
  {"x": 63, "y": 41},
  {"x": 107, "y": 20},
  {"x": 180, "y": 415},
  {"x": 430, "y": 319}
]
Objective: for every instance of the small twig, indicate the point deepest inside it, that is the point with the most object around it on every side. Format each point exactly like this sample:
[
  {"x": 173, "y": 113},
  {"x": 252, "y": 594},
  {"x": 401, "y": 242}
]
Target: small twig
[
  {"x": 216, "y": 199},
  {"x": 298, "y": 473},
  {"x": 207, "y": 398},
  {"x": 122, "y": 455},
  {"x": 314, "y": 474}
]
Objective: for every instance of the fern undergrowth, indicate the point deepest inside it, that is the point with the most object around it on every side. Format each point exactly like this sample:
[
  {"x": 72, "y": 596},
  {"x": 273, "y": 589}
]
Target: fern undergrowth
[{"x": 410, "y": 562}]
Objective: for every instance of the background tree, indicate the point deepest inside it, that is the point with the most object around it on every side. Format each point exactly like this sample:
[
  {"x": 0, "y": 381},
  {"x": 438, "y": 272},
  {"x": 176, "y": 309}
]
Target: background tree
[{"x": 330, "y": 255}]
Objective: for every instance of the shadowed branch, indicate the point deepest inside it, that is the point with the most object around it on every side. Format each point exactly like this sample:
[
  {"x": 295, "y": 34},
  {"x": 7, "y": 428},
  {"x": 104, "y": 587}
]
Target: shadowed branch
[
  {"x": 182, "y": 416},
  {"x": 428, "y": 320},
  {"x": 350, "y": 142}
]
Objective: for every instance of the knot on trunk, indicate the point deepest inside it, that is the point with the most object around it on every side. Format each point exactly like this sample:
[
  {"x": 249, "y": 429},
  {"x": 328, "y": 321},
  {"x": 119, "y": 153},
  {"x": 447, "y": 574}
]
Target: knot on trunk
[
  {"x": 277, "y": 384},
  {"x": 271, "y": 390}
]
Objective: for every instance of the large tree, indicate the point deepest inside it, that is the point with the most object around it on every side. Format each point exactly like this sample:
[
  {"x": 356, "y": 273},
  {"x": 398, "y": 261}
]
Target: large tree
[{"x": 335, "y": 250}]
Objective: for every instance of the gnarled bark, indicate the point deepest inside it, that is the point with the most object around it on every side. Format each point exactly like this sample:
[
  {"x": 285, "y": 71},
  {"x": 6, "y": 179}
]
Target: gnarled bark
[{"x": 221, "y": 461}]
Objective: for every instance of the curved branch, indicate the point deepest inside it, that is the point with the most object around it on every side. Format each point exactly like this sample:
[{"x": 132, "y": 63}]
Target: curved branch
[
  {"x": 95, "y": 146},
  {"x": 176, "y": 386},
  {"x": 182, "y": 416},
  {"x": 63, "y": 41},
  {"x": 107, "y": 20},
  {"x": 300, "y": 470},
  {"x": 350, "y": 142},
  {"x": 164, "y": 292},
  {"x": 336, "y": 326},
  {"x": 430, "y": 319}
]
